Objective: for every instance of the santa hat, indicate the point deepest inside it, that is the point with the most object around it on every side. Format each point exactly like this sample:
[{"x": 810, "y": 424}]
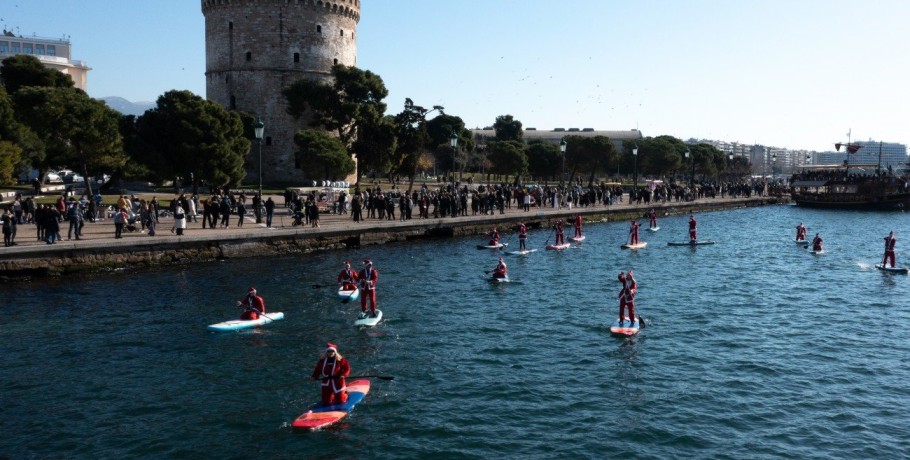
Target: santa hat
[
  {"x": 367, "y": 262},
  {"x": 347, "y": 263},
  {"x": 622, "y": 276},
  {"x": 251, "y": 290},
  {"x": 331, "y": 347}
]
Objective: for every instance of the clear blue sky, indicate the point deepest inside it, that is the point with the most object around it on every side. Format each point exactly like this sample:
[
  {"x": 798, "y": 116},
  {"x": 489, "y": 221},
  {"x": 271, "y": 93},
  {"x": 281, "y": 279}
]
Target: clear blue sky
[{"x": 794, "y": 74}]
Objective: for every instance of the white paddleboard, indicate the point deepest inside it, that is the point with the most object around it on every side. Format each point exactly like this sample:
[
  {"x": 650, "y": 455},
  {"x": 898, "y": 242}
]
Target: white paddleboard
[
  {"x": 577, "y": 239},
  {"x": 495, "y": 246},
  {"x": 521, "y": 252},
  {"x": 239, "y": 324},
  {"x": 802, "y": 242},
  {"x": 350, "y": 295},
  {"x": 634, "y": 246},
  {"x": 903, "y": 271},
  {"x": 653, "y": 229},
  {"x": 369, "y": 321},
  {"x": 558, "y": 247}
]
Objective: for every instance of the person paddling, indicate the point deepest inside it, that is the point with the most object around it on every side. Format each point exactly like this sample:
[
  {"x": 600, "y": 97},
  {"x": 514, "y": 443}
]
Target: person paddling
[
  {"x": 347, "y": 278},
  {"x": 560, "y": 236},
  {"x": 368, "y": 278},
  {"x": 501, "y": 270},
  {"x": 577, "y": 224},
  {"x": 653, "y": 216},
  {"x": 633, "y": 232},
  {"x": 890, "y": 241},
  {"x": 693, "y": 229},
  {"x": 332, "y": 368},
  {"x": 253, "y": 305},
  {"x": 522, "y": 237},
  {"x": 494, "y": 237},
  {"x": 800, "y": 232},
  {"x": 817, "y": 243},
  {"x": 627, "y": 295}
]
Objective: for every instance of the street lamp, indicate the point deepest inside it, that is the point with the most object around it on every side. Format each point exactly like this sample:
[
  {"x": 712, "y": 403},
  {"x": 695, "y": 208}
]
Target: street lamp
[
  {"x": 773, "y": 162},
  {"x": 562, "y": 169},
  {"x": 258, "y": 129},
  {"x": 453, "y": 141},
  {"x": 635, "y": 163}
]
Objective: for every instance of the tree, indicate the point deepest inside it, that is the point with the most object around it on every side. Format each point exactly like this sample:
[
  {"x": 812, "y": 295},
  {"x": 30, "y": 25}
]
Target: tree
[
  {"x": 77, "y": 131},
  {"x": 24, "y": 70},
  {"x": 320, "y": 151},
  {"x": 29, "y": 148},
  {"x": 9, "y": 160},
  {"x": 188, "y": 136},
  {"x": 440, "y": 130},
  {"x": 375, "y": 145},
  {"x": 508, "y": 157},
  {"x": 507, "y": 128},
  {"x": 411, "y": 132},
  {"x": 592, "y": 154},
  {"x": 544, "y": 159},
  {"x": 354, "y": 97}
]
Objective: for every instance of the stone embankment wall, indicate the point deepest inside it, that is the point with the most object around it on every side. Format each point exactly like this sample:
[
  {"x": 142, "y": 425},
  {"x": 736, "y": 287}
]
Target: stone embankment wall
[{"x": 103, "y": 256}]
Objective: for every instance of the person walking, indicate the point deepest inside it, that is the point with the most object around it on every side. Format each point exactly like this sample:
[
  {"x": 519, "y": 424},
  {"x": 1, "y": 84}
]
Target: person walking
[
  {"x": 269, "y": 211},
  {"x": 120, "y": 219}
]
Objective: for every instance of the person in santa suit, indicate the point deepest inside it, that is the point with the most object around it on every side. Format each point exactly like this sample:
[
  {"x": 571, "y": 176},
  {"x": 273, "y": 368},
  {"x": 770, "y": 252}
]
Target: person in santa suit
[
  {"x": 368, "y": 278},
  {"x": 501, "y": 270},
  {"x": 347, "y": 278},
  {"x": 890, "y": 241},
  {"x": 494, "y": 237},
  {"x": 578, "y": 226},
  {"x": 332, "y": 368},
  {"x": 817, "y": 243},
  {"x": 693, "y": 229},
  {"x": 633, "y": 232},
  {"x": 800, "y": 232},
  {"x": 627, "y": 295},
  {"x": 653, "y": 216},
  {"x": 252, "y": 304},
  {"x": 522, "y": 236},
  {"x": 560, "y": 236}
]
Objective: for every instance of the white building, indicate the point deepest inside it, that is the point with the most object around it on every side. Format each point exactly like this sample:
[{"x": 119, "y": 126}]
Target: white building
[{"x": 52, "y": 52}]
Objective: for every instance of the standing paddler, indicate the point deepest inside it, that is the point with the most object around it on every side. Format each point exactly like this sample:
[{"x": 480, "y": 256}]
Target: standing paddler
[
  {"x": 890, "y": 241},
  {"x": 800, "y": 232},
  {"x": 653, "y": 216},
  {"x": 633, "y": 232},
  {"x": 693, "y": 229},
  {"x": 522, "y": 237},
  {"x": 577, "y": 225},
  {"x": 627, "y": 295},
  {"x": 332, "y": 368},
  {"x": 368, "y": 278}
]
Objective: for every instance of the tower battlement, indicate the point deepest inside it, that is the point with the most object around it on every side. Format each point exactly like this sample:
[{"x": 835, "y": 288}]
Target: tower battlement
[{"x": 347, "y": 8}]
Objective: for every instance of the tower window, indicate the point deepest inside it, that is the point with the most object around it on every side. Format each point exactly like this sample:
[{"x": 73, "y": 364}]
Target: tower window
[
  {"x": 296, "y": 58},
  {"x": 336, "y": 61},
  {"x": 342, "y": 32},
  {"x": 233, "y": 103},
  {"x": 230, "y": 25},
  {"x": 319, "y": 29},
  {"x": 249, "y": 56},
  {"x": 268, "y": 140}
]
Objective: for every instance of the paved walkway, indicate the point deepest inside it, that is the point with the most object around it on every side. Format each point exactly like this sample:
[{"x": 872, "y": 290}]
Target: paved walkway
[{"x": 101, "y": 232}]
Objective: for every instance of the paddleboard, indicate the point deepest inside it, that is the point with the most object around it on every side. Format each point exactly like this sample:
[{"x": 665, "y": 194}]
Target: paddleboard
[
  {"x": 320, "y": 416},
  {"x": 369, "y": 321},
  {"x": 903, "y": 271},
  {"x": 577, "y": 239},
  {"x": 558, "y": 247},
  {"x": 499, "y": 280},
  {"x": 239, "y": 324},
  {"x": 690, "y": 243},
  {"x": 653, "y": 229},
  {"x": 627, "y": 328},
  {"x": 802, "y": 242},
  {"x": 521, "y": 252},
  {"x": 634, "y": 246},
  {"x": 349, "y": 294},
  {"x": 817, "y": 252},
  {"x": 496, "y": 246}
]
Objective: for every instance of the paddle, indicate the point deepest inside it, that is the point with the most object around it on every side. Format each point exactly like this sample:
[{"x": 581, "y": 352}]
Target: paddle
[
  {"x": 241, "y": 305},
  {"x": 317, "y": 286},
  {"x": 348, "y": 298}
]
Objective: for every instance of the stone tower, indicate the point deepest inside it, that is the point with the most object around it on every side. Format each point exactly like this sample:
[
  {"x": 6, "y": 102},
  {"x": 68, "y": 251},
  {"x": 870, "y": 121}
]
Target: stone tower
[{"x": 256, "y": 48}]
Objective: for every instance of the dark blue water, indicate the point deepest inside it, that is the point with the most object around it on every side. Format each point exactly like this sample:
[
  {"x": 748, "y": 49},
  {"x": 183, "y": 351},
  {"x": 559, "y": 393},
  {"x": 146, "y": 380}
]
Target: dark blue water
[{"x": 755, "y": 348}]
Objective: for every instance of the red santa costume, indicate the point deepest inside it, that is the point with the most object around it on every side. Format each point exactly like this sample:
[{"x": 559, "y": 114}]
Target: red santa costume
[
  {"x": 800, "y": 232},
  {"x": 522, "y": 236},
  {"x": 368, "y": 278},
  {"x": 254, "y": 304},
  {"x": 332, "y": 368},
  {"x": 890, "y": 241},
  {"x": 501, "y": 270},
  {"x": 560, "y": 236},
  {"x": 578, "y": 226},
  {"x": 817, "y": 243},
  {"x": 653, "y": 216},
  {"x": 347, "y": 278},
  {"x": 494, "y": 238},
  {"x": 633, "y": 232},
  {"x": 693, "y": 228},
  {"x": 627, "y": 295}
]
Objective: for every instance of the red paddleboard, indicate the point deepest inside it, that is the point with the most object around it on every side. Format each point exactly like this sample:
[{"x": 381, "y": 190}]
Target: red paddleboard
[
  {"x": 625, "y": 328},
  {"x": 320, "y": 416},
  {"x": 577, "y": 239}
]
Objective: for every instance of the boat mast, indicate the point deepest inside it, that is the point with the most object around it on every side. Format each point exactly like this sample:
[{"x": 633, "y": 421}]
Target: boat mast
[{"x": 878, "y": 170}]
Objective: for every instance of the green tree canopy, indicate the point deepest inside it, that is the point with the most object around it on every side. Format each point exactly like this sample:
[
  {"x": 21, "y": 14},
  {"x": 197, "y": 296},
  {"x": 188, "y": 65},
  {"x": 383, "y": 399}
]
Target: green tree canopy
[
  {"x": 544, "y": 159},
  {"x": 30, "y": 148},
  {"x": 9, "y": 160},
  {"x": 187, "y": 135},
  {"x": 376, "y": 145},
  {"x": 77, "y": 131},
  {"x": 23, "y": 70},
  {"x": 508, "y": 157},
  {"x": 507, "y": 128},
  {"x": 411, "y": 132},
  {"x": 589, "y": 154},
  {"x": 352, "y": 99},
  {"x": 321, "y": 152}
]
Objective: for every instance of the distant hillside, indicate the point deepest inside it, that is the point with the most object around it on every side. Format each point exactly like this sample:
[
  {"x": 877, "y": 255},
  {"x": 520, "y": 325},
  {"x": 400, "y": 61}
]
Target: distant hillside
[{"x": 126, "y": 107}]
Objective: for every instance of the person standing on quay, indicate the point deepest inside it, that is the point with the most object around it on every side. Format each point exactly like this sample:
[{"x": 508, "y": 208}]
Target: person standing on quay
[
  {"x": 179, "y": 220},
  {"x": 120, "y": 219},
  {"x": 368, "y": 278},
  {"x": 890, "y": 241},
  {"x": 269, "y": 211}
]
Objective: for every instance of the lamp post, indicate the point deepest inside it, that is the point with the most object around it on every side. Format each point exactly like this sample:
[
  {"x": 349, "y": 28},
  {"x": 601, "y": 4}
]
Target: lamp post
[
  {"x": 562, "y": 169},
  {"x": 453, "y": 141},
  {"x": 773, "y": 163},
  {"x": 635, "y": 165},
  {"x": 258, "y": 128}
]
